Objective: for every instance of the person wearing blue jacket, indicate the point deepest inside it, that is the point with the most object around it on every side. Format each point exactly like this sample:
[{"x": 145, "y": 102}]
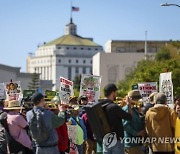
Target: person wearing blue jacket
[{"x": 134, "y": 128}]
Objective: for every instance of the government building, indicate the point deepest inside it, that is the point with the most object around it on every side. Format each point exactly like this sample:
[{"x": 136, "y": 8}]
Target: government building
[{"x": 66, "y": 56}]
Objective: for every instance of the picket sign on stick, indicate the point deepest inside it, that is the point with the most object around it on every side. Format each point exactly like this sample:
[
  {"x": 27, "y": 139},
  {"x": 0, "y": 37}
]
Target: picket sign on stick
[{"x": 66, "y": 89}]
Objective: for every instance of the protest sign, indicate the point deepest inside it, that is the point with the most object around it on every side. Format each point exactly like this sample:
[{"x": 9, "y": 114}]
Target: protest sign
[
  {"x": 28, "y": 93},
  {"x": 90, "y": 86},
  {"x": 2, "y": 91},
  {"x": 147, "y": 88},
  {"x": 49, "y": 95},
  {"x": 66, "y": 89},
  {"x": 13, "y": 90},
  {"x": 166, "y": 86}
]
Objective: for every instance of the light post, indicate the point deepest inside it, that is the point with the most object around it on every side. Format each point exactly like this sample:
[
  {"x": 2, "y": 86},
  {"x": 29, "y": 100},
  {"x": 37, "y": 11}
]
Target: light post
[{"x": 167, "y": 4}]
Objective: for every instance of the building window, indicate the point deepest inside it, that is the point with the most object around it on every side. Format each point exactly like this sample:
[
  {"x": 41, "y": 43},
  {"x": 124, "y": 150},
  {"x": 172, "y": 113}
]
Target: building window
[
  {"x": 82, "y": 48},
  {"x": 91, "y": 70},
  {"x": 121, "y": 49},
  {"x": 91, "y": 61},
  {"x": 69, "y": 60},
  {"x": 84, "y": 61},
  {"x": 77, "y": 70},
  {"x": 96, "y": 49},
  {"x": 89, "y": 48},
  {"x": 77, "y": 61},
  {"x": 59, "y": 47},
  {"x": 74, "y": 48},
  {"x": 59, "y": 60},
  {"x": 84, "y": 70},
  {"x": 69, "y": 73},
  {"x": 67, "y": 48}
]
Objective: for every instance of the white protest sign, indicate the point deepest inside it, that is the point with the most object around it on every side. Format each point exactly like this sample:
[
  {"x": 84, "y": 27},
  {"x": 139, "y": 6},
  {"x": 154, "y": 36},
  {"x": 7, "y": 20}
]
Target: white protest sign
[
  {"x": 2, "y": 91},
  {"x": 147, "y": 88},
  {"x": 166, "y": 86},
  {"x": 66, "y": 89},
  {"x": 13, "y": 90},
  {"x": 90, "y": 86}
]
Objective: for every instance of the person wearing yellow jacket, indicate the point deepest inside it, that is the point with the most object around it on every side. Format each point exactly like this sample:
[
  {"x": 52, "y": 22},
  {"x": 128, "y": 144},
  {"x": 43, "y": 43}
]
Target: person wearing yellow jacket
[
  {"x": 160, "y": 124},
  {"x": 177, "y": 127}
]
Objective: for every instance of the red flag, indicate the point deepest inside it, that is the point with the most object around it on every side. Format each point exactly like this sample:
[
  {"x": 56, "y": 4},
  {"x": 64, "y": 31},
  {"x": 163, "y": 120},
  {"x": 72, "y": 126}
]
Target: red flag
[{"x": 75, "y": 8}]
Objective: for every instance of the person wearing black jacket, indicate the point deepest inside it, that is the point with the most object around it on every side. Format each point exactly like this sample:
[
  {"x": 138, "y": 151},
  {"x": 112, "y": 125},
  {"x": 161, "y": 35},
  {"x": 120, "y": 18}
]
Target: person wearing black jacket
[{"x": 115, "y": 115}]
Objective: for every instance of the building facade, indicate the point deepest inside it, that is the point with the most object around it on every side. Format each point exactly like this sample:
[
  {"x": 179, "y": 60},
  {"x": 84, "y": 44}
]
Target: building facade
[
  {"x": 8, "y": 73},
  {"x": 121, "y": 57},
  {"x": 66, "y": 56}
]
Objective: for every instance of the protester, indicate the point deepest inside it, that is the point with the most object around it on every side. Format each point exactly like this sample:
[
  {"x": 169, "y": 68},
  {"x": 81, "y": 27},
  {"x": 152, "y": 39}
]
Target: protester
[
  {"x": 17, "y": 125},
  {"x": 115, "y": 115},
  {"x": 160, "y": 123},
  {"x": 49, "y": 141},
  {"x": 134, "y": 128},
  {"x": 63, "y": 141},
  {"x": 81, "y": 135},
  {"x": 3, "y": 137}
]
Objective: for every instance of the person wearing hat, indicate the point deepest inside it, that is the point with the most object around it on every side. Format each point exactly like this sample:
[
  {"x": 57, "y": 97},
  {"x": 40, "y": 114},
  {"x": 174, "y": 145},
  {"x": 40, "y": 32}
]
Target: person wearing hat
[
  {"x": 150, "y": 102},
  {"x": 160, "y": 123},
  {"x": 17, "y": 124},
  {"x": 114, "y": 114},
  {"x": 133, "y": 128},
  {"x": 81, "y": 135},
  {"x": 51, "y": 121}
]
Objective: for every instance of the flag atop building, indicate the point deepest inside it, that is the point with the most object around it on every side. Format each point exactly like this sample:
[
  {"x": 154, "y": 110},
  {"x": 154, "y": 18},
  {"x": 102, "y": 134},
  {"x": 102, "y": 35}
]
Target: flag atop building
[{"x": 76, "y": 9}]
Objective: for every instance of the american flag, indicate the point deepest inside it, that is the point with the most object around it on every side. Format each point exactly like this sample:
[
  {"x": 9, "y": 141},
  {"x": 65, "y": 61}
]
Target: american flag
[{"x": 75, "y": 8}]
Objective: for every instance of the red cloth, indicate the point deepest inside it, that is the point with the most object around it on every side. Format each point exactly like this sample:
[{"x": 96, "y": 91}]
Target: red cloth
[{"x": 62, "y": 137}]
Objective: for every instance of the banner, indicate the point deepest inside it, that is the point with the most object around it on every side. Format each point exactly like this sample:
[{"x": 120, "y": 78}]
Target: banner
[
  {"x": 13, "y": 90},
  {"x": 166, "y": 86},
  {"x": 2, "y": 91},
  {"x": 147, "y": 88},
  {"x": 49, "y": 95},
  {"x": 90, "y": 86},
  {"x": 66, "y": 89}
]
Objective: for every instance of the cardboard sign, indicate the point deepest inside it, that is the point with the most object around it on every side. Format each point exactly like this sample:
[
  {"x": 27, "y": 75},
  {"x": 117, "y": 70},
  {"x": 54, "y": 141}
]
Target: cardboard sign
[
  {"x": 2, "y": 91},
  {"x": 28, "y": 93},
  {"x": 50, "y": 95},
  {"x": 90, "y": 86},
  {"x": 166, "y": 86},
  {"x": 66, "y": 89},
  {"x": 147, "y": 88},
  {"x": 13, "y": 90}
]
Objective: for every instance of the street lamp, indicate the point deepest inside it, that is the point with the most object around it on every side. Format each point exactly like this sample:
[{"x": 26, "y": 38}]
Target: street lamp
[{"x": 167, "y": 4}]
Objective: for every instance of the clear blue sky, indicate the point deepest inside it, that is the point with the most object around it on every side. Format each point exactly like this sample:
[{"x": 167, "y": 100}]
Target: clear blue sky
[{"x": 26, "y": 23}]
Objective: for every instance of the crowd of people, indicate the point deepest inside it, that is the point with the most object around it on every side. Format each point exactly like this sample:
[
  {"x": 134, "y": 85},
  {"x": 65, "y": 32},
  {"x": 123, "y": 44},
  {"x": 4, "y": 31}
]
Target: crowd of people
[{"x": 67, "y": 127}]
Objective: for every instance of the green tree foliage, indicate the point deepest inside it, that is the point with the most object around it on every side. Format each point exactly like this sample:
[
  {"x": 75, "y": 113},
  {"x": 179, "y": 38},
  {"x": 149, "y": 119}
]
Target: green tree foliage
[
  {"x": 149, "y": 71},
  {"x": 34, "y": 84},
  {"x": 76, "y": 82}
]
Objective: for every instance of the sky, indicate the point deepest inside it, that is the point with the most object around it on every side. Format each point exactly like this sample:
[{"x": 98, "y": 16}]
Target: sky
[{"x": 25, "y": 24}]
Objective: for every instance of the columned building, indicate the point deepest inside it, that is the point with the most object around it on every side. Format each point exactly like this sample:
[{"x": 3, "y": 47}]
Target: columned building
[{"x": 66, "y": 56}]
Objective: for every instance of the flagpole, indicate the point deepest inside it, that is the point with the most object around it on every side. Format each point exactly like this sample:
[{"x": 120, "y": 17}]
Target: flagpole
[{"x": 71, "y": 10}]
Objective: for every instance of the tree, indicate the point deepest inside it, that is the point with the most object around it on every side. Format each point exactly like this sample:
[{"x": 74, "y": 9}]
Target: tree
[
  {"x": 77, "y": 82},
  {"x": 34, "y": 84}
]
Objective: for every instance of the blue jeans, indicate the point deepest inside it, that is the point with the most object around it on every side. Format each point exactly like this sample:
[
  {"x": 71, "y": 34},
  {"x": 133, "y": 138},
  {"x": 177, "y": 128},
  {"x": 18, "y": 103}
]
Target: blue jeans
[{"x": 117, "y": 149}]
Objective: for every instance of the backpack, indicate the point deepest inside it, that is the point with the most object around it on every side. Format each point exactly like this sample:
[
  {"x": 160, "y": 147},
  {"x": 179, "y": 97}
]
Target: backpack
[
  {"x": 38, "y": 129},
  {"x": 98, "y": 120}
]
